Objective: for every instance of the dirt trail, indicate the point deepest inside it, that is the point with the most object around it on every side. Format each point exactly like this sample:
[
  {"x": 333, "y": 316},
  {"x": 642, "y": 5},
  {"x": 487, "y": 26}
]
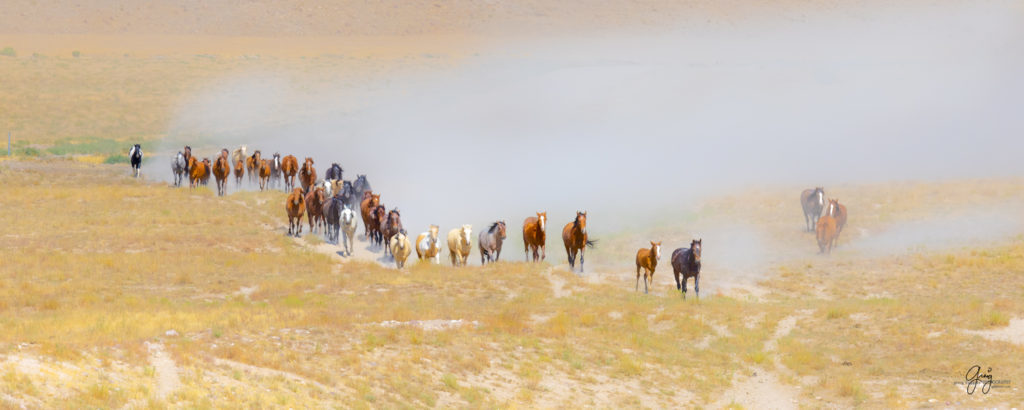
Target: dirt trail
[{"x": 167, "y": 380}]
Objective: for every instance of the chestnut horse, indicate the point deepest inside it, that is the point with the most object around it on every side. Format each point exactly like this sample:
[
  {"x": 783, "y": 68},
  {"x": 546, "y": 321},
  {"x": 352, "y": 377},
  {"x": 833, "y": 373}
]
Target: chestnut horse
[
  {"x": 837, "y": 211},
  {"x": 289, "y": 168},
  {"x": 648, "y": 260},
  {"x": 307, "y": 175},
  {"x": 295, "y": 205},
  {"x": 206, "y": 171},
  {"x": 812, "y": 201},
  {"x": 826, "y": 233},
  {"x": 686, "y": 263},
  {"x": 264, "y": 171},
  {"x": 535, "y": 236},
  {"x": 195, "y": 173},
  {"x": 252, "y": 164},
  {"x": 366, "y": 207},
  {"x": 315, "y": 208},
  {"x": 574, "y": 236},
  {"x": 490, "y": 242},
  {"x": 239, "y": 172},
  {"x": 221, "y": 172}
]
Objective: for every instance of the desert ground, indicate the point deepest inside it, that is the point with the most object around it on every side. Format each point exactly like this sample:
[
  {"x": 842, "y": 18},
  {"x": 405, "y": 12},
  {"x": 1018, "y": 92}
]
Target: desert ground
[{"x": 128, "y": 292}]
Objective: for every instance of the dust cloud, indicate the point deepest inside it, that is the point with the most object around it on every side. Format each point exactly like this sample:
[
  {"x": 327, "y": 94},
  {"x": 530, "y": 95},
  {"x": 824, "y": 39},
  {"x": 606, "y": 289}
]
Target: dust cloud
[{"x": 631, "y": 124}]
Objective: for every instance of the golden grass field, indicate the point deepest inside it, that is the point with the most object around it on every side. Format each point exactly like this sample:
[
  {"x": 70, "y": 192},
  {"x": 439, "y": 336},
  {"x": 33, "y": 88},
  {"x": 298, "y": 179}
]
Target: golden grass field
[{"x": 98, "y": 267}]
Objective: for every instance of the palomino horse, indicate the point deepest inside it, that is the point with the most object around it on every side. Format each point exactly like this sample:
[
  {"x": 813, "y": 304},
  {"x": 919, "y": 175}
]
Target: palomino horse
[
  {"x": 252, "y": 165},
  {"x": 686, "y": 263},
  {"x": 812, "y": 200},
  {"x": 391, "y": 226},
  {"x": 574, "y": 235},
  {"x": 264, "y": 171},
  {"x": 490, "y": 242},
  {"x": 826, "y": 233},
  {"x": 315, "y": 208},
  {"x": 459, "y": 244},
  {"x": 648, "y": 260},
  {"x": 295, "y": 205},
  {"x": 290, "y": 168},
  {"x": 400, "y": 248},
  {"x": 178, "y": 166},
  {"x": 535, "y": 235},
  {"x": 332, "y": 218},
  {"x": 307, "y": 175},
  {"x": 348, "y": 227},
  {"x": 837, "y": 211},
  {"x": 239, "y": 172},
  {"x": 275, "y": 170},
  {"x": 369, "y": 203},
  {"x": 238, "y": 154},
  {"x": 428, "y": 246},
  {"x": 135, "y": 156},
  {"x": 221, "y": 171}
]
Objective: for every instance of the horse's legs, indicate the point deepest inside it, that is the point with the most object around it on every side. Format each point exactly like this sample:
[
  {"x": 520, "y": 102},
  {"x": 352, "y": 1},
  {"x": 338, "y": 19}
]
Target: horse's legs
[
  {"x": 543, "y": 252},
  {"x": 637, "y": 288},
  {"x": 569, "y": 255},
  {"x": 696, "y": 285},
  {"x": 645, "y": 277},
  {"x": 676, "y": 274},
  {"x": 684, "y": 285},
  {"x": 582, "y": 251},
  {"x": 497, "y": 254}
]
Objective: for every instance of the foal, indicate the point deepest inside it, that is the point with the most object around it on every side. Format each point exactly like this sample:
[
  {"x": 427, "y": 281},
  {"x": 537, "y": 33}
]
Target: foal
[{"x": 648, "y": 260}]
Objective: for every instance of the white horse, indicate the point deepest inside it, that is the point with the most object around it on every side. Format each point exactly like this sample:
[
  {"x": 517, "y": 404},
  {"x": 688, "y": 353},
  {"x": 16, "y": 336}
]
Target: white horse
[
  {"x": 428, "y": 245},
  {"x": 328, "y": 188},
  {"x": 459, "y": 244},
  {"x": 238, "y": 155},
  {"x": 178, "y": 168},
  {"x": 348, "y": 226}
]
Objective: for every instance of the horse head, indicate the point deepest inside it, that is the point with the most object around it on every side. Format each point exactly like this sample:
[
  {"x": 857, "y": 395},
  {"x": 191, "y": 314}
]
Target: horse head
[
  {"x": 819, "y": 192},
  {"x": 695, "y": 248},
  {"x": 542, "y": 219},
  {"x": 833, "y": 205},
  {"x": 466, "y": 232},
  {"x": 581, "y": 221},
  {"x": 656, "y": 247}
]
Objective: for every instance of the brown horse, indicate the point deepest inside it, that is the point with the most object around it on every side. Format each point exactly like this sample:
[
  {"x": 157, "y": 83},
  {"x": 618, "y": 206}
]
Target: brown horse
[
  {"x": 195, "y": 173},
  {"x": 366, "y": 207},
  {"x": 289, "y": 168},
  {"x": 648, "y": 260},
  {"x": 315, "y": 208},
  {"x": 188, "y": 160},
  {"x": 295, "y": 206},
  {"x": 264, "y": 173},
  {"x": 389, "y": 227},
  {"x": 252, "y": 164},
  {"x": 239, "y": 172},
  {"x": 686, "y": 264},
  {"x": 205, "y": 165},
  {"x": 837, "y": 211},
  {"x": 307, "y": 175},
  {"x": 221, "y": 172},
  {"x": 535, "y": 235},
  {"x": 574, "y": 236},
  {"x": 378, "y": 217},
  {"x": 826, "y": 233}
]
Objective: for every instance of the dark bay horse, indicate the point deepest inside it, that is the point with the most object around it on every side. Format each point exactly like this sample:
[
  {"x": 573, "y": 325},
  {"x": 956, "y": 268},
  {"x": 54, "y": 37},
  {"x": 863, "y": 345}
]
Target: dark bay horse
[
  {"x": 334, "y": 172},
  {"x": 535, "y": 236},
  {"x": 490, "y": 242},
  {"x": 377, "y": 218},
  {"x": 812, "y": 201},
  {"x": 392, "y": 225},
  {"x": 686, "y": 263},
  {"x": 574, "y": 235}
]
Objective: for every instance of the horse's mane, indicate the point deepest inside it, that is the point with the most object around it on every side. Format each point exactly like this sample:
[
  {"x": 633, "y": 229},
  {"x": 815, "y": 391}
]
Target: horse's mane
[{"x": 493, "y": 227}]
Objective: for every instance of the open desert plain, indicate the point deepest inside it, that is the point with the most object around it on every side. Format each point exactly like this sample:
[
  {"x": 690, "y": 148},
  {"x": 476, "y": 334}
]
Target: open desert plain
[{"x": 689, "y": 124}]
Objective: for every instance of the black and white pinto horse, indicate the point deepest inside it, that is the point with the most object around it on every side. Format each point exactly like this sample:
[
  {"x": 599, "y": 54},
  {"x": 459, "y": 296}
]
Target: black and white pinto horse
[
  {"x": 135, "y": 155},
  {"x": 179, "y": 167}
]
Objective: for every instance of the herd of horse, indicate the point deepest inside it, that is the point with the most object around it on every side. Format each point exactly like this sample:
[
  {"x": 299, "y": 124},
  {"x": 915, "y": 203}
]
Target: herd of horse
[{"x": 330, "y": 207}]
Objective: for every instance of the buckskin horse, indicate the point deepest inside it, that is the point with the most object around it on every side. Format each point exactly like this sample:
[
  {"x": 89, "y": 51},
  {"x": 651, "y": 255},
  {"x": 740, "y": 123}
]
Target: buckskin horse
[
  {"x": 490, "y": 242},
  {"x": 295, "y": 206},
  {"x": 574, "y": 236},
  {"x": 812, "y": 201},
  {"x": 686, "y": 265},
  {"x": 290, "y": 168},
  {"x": 307, "y": 175},
  {"x": 648, "y": 260},
  {"x": 459, "y": 244},
  {"x": 535, "y": 236}
]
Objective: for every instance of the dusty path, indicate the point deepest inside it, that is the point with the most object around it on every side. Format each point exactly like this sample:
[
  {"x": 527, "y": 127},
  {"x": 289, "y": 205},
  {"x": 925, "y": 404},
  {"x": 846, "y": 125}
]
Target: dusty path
[{"x": 167, "y": 380}]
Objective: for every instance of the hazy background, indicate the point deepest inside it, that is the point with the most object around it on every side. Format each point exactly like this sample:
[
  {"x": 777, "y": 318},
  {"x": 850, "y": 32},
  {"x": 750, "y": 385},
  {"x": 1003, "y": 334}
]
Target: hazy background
[{"x": 626, "y": 123}]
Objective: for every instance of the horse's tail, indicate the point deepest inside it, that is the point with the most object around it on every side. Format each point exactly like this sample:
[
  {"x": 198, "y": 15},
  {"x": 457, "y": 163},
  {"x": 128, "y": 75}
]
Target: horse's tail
[{"x": 591, "y": 243}]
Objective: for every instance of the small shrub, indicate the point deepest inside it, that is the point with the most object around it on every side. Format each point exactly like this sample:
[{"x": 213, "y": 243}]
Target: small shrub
[
  {"x": 76, "y": 54},
  {"x": 29, "y": 152},
  {"x": 116, "y": 159},
  {"x": 8, "y": 51},
  {"x": 995, "y": 319}
]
